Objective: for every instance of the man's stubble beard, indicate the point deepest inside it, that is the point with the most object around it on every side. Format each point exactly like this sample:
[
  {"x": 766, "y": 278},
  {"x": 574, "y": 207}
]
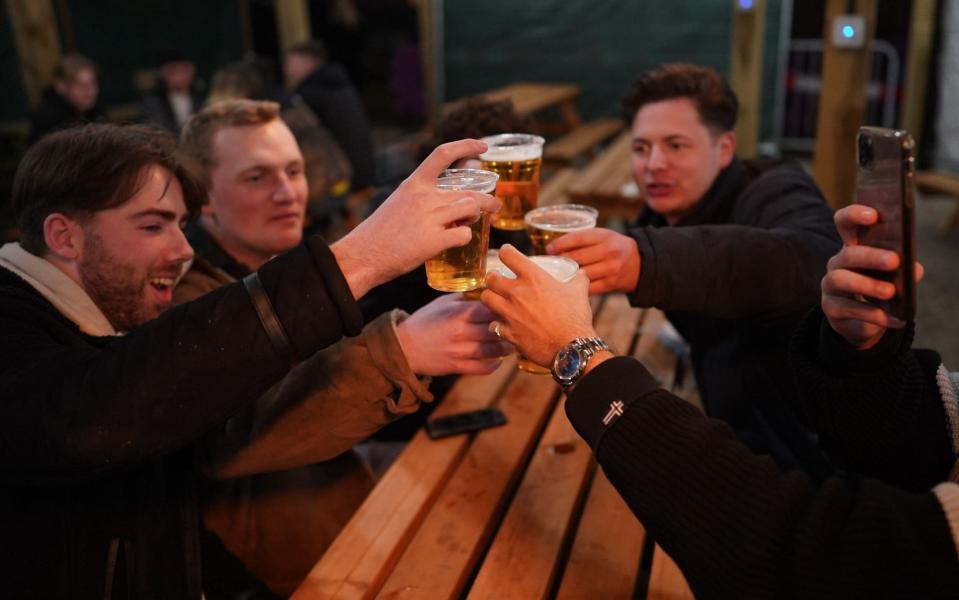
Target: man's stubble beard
[{"x": 114, "y": 287}]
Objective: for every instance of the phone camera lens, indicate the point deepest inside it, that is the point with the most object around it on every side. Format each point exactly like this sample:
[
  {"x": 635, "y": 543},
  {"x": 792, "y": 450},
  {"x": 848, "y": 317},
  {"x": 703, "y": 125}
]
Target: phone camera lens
[{"x": 865, "y": 151}]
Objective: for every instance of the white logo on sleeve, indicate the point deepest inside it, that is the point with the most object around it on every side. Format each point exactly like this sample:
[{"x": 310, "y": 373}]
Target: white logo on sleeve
[{"x": 615, "y": 411}]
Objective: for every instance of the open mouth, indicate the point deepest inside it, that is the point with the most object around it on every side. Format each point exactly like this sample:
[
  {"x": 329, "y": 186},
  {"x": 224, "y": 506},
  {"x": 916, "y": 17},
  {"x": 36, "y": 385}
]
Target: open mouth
[
  {"x": 658, "y": 189},
  {"x": 162, "y": 284}
]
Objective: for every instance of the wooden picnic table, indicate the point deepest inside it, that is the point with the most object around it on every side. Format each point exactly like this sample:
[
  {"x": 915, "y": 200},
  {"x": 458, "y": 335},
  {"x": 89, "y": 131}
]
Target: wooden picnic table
[
  {"x": 530, "y": 98},
  {"x": 517, "y": 511},
  {"x": 607, "y": 182}
]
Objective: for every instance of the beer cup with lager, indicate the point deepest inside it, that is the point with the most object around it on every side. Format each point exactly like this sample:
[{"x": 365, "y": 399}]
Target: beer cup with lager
[
  {"x": 548, "y": 223},
  {"x": 463, "y": 268},
  {"x": 493, "y": 263},
  {"x": 516, "y": 158},
  {"x": 562, "y": 269}
]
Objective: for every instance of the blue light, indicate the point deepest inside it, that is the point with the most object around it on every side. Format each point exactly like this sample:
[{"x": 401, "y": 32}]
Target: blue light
[
  {"x": 746, "y": 4},
  {"x": 848, "y": 32}
]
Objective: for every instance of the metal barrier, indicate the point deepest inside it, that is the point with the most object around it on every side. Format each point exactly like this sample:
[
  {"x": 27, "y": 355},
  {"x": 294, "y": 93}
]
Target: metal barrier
[{"x": 797, "y": 130}]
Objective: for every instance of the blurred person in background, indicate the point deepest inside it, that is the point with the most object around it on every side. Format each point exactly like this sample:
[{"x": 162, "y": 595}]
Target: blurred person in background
[
  {"x": 71, "y": 100},
  {"x": 178, "y": 94}
]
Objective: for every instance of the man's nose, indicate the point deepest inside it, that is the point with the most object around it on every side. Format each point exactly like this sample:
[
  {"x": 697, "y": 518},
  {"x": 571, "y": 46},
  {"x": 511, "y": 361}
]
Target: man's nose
[
  {"x": 180, "y": 249},
  {"x": 657, "y": 159},
  {"x": 284, "y": 191}
]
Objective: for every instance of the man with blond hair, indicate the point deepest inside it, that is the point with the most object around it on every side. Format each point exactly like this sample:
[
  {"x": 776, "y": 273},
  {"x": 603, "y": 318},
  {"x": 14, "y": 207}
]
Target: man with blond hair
[{"x": 279, "y": 523}]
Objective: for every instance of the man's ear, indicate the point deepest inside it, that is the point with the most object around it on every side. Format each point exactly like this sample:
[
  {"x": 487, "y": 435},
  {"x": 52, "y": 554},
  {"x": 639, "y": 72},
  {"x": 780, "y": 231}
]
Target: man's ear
[
  {"x": 63, "y": 236},
  {"x": 727, "y": 148}
]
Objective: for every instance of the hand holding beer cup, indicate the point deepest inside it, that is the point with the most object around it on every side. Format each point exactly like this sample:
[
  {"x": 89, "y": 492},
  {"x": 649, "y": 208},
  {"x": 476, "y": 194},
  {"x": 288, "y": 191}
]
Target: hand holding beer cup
[
  {"x": 535, "y": 312},
  {"x": 611, "y": 260},
  {"x": 450, "y": 335},
  {"x": 845, "y": 289},
  {"x": 416, "y": 222}
]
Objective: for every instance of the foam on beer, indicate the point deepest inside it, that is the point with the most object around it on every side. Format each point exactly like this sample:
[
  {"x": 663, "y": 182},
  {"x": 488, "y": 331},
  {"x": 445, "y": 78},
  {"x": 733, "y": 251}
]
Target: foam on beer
[
  {"x": 561, "y": 268},
  {"x": 561, "y": 220},
  {"x": 512, "y": 153}
]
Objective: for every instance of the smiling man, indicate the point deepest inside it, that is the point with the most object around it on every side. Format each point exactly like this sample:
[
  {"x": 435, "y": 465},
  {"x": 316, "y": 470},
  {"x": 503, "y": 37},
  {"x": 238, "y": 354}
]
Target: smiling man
[
  {"x": 732, "y": 251},
  {"x": 104, "y": 437},
  {"x": 280, "y": 523}
]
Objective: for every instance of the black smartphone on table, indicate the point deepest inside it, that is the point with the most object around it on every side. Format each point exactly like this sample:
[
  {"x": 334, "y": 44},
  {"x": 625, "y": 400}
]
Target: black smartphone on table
[
  {"x": 884, "y": 181},
  {"x": 464, "y": 422}
]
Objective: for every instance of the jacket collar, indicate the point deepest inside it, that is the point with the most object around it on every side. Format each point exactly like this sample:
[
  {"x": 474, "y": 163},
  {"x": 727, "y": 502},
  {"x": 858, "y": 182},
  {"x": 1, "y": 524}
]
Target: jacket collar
[
  {"x": 62, "y": 292},
  {"x": 206, "y": 247}
]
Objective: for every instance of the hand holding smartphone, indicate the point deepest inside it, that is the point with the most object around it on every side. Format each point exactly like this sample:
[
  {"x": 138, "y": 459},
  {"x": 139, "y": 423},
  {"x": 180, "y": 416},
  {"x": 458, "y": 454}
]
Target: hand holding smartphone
[{"x": 884, "y": 182}]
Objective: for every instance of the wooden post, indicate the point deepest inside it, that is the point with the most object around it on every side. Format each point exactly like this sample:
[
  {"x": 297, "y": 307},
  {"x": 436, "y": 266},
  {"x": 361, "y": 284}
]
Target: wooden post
[
  {"x": 430, "y": 14},
  {"x": 746, "y": 73},
  {"x": 922, "y": 32},
  {"x": 34, "y": 27},
  {"x": 292, "y": 22},
  {"x": 842, "y": 102}
]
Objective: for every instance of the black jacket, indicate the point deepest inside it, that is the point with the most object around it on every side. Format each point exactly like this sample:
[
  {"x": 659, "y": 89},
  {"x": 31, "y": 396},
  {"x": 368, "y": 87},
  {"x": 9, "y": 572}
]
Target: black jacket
[
  {"x": 738, "y": 527},
  {"x": 54, "y": 112},
  {"x": 734, "y": 277},
  {"x": 98, "y": 436},
  {"x": 156, "y": 108},
  {"x": 329, "y": 92}
]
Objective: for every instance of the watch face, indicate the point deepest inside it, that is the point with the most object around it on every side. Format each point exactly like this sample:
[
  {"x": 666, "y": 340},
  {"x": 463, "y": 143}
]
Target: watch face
[{"x": 567, "y": 363}]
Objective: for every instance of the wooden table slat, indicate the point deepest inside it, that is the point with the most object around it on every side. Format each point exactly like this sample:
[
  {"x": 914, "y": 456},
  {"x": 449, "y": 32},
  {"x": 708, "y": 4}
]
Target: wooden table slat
[
  {"x": 443, "y": 553},
  {"x": 361, "y": 556},
  {"x": 605, "y": 558},
  {"x": 525, "y": 553}
]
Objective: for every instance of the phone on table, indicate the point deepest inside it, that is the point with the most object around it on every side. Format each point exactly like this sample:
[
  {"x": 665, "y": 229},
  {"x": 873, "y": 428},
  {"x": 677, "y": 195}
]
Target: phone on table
[
  {"x": 464, "y": 422},
  {"x": 884, "y": 181}
]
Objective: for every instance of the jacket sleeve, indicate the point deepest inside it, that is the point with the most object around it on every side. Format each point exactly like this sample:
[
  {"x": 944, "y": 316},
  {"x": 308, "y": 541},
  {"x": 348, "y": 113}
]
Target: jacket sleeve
[
  {"x": 768, "y": 266},
  {"x": 740, "y": 528},
  {"x": 74, "y": 410},
  {"x": 888, "y": 412},
  {"x": 326, "y": 404}
]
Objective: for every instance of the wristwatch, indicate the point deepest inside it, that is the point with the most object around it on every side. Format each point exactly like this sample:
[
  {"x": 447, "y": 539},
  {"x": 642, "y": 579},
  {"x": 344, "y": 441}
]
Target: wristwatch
[{"x": 570, "y": 362}]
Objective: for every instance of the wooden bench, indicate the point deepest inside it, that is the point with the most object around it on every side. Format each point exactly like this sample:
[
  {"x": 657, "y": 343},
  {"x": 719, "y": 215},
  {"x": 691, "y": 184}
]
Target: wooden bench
[
  {"x": 518, "y": 511},
  {"x": 581, "y": 141},
  {"x": 529, "y": 99},
  {"x": 941, "y": 182},
  {"x": 554, "y": 191},
  {"x": 607, "y": 183}
]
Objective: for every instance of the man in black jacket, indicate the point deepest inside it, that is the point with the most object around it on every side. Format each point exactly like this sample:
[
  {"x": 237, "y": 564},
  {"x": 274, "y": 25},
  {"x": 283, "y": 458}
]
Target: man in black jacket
[
  {"x": 105, "y": 403},
  {"x": 731, "y": 250},
  {"x": 177, "y": 94},
  {"x": 737, "y": 526}
]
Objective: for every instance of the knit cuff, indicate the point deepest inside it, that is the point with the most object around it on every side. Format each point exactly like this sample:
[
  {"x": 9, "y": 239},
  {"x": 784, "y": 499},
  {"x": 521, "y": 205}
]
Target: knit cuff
[
  {"x": 605, "y": 394},
  {"x": 948, "y": 496},
  {"x": 645, "y": 293},
  {"x": 839, "y": 356},
  {"x": 336, "y": 285}
]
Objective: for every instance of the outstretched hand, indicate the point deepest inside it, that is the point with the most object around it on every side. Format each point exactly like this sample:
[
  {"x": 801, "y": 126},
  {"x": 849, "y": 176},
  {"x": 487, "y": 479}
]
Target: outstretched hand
[
  {"x": 845, "y": 289},
  {"x": 611, "y": 260},
  {"x": 451, "y": 335},
  {"x": 417, "y": 222},
  {"x": 538, "y": 314}
]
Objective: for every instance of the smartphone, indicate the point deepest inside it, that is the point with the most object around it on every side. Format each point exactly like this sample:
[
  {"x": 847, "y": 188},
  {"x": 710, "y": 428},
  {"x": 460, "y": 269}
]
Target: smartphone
[
  {"x": 464, "y": 422},
  {"x": 884, "y": 181}
]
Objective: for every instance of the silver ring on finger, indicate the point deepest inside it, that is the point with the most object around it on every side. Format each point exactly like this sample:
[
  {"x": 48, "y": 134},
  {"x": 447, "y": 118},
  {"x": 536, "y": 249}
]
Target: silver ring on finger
[{"x": 496, "y": 330}]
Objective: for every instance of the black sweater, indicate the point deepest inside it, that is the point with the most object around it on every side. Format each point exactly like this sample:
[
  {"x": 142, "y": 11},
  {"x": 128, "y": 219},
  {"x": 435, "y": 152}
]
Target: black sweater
[
  {"x": 734, "y": 277},
  {"x": 738, "y": 527},
  {"x": 97, "y": 435}
]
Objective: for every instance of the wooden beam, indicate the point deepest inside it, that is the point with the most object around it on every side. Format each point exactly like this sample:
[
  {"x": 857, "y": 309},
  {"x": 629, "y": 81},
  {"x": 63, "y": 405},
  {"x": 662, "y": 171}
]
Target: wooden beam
[
  {"x": 430, "y": 17},
  {"x": 746, "y": 73},
  {"x": 842, "y": 103},
  {"x": 34, "y": 25},
  {"x": 922, "y": 32},
  {"x": 292, "y": 22}
]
